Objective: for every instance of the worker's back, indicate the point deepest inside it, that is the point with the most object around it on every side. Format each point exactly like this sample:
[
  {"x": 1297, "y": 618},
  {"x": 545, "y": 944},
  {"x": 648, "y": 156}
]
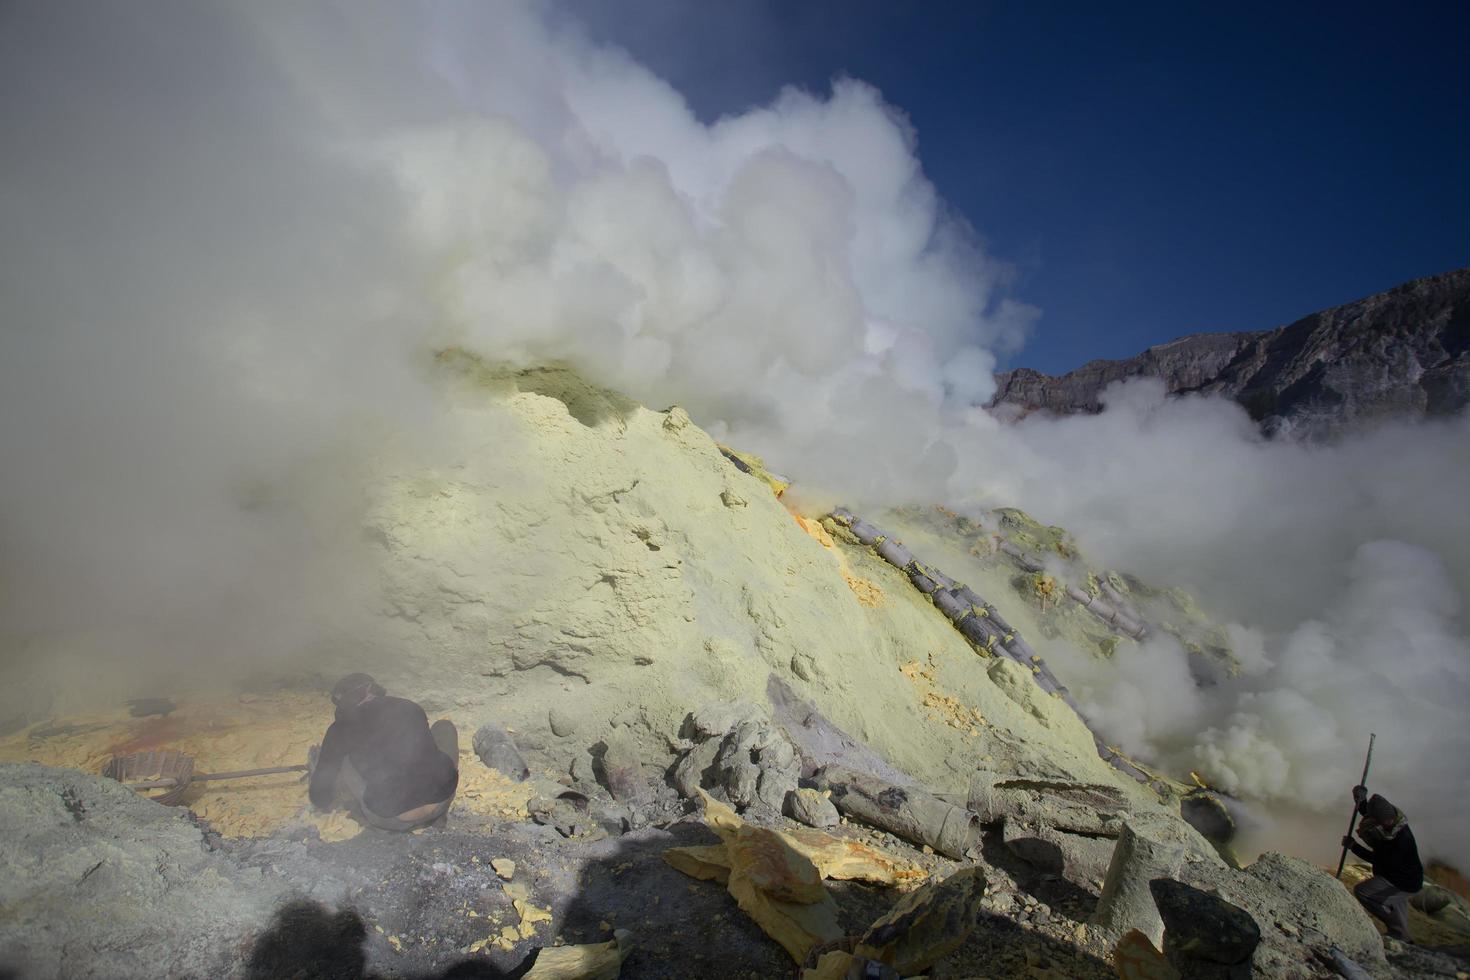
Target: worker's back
[
  {"x": 387, "y": 741},
  {"x": 1396, "y": 858}
]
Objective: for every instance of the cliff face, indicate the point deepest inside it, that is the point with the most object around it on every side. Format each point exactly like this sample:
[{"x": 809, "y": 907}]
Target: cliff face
[{"x": 1404, "y": 352}]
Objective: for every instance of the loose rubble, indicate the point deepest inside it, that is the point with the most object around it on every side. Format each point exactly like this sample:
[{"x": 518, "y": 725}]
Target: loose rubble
[{"x": 421, "y": 903}]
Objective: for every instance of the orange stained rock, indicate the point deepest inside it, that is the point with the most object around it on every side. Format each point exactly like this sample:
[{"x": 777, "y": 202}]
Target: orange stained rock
[
  {"x": 1136, "y": 958},
  {"x": 769, "y": 862}
]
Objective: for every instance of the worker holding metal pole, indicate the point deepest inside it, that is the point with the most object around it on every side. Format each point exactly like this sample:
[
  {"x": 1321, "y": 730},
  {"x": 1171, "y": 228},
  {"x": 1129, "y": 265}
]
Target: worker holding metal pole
[{"x": 1388, "y": 845}]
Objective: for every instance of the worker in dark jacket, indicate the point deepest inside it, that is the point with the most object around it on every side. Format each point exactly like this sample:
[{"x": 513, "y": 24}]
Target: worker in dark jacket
[
  {"x": 1397, "y": 872},
  {"x": 381, "y": 758}
]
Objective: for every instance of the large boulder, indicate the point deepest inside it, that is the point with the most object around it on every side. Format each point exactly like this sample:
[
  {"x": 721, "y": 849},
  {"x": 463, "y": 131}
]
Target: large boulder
[
  {"x": 1204, "y": 935},
  {"x": 1303, "y": 913},
  {"x": 1080, "y": 858},
  {"x": 1127, "y": 904},
  {"x": 97, "y": 882}
]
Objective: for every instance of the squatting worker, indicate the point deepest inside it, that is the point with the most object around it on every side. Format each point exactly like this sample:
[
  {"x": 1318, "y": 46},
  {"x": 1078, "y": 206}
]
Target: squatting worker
[
  {"x": 1391, "y": 850},
  {"x": 381, "y": 757}
]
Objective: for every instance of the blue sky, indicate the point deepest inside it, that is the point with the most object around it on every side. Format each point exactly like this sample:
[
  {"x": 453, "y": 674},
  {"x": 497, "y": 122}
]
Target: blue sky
[{"x": 1150, "y": 169}]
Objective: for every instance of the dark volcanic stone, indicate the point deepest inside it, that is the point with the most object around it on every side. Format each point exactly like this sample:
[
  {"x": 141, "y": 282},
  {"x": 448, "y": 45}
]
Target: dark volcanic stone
[{"x": 1199, "y": 925}]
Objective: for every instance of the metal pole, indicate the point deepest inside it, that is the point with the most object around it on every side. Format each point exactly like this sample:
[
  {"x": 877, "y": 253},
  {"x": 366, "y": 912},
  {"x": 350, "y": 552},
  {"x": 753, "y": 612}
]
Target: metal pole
[
  {"x": 200, "y": 777},
  {"x": 1353, "y": 820}
]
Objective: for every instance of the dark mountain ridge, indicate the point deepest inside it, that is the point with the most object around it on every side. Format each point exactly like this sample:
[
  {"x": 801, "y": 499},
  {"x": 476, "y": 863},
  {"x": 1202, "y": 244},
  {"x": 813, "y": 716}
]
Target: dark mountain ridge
[{"x": 1400, "y": 353}]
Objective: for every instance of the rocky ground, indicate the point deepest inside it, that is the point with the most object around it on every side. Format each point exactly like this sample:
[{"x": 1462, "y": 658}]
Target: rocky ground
[
  {"x": 413, "y": 905},
  {"x": 98, "y": 882}
]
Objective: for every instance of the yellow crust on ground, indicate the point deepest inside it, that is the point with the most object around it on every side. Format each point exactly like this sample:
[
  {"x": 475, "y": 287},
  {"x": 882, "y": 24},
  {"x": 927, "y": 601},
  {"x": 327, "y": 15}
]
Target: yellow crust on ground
[
  {"x": 868, "y": 592},
  {"x": 246, "y": 731}
]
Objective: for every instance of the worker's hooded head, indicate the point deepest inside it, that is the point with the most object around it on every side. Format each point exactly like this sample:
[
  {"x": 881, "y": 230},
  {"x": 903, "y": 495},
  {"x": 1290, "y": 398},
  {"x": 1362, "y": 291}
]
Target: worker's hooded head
[
  {"x": 353, "y": 690},
  {"x": 1382, "y": 820}
]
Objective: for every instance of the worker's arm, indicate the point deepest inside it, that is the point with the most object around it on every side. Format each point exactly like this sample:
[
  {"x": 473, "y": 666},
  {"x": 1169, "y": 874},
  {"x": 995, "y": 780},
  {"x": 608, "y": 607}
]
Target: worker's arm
[
  {"x": 1357, "y": 849},
  {"x": 328, "y": 763}
]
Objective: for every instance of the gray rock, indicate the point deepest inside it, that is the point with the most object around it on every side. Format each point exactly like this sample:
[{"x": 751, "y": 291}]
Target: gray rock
[
  {"x": 1209, "y": 814},
  {"x": 1204, "y": 935},
  {"x": 1433, "y": 899},
  {"x": 719, "y": 719},
  {"x": 912, "y": 814},
  {"x": 811, "y": 808},
  {"x": 1162, "y": 826},
  {"x": 779, "y": 770},
  {"x": 622, "y": 770},
  {"x": 583, "y": 769},
  {"x": 774, "y": 786},
  {"x": 692, "y": 770},
  {"x": 1182, "y": 364},
  {"x": 819, "y": 742},
  {"x": 1306, "y": 908},
  {"x": 735, "y": 765},
  {"x": 98, "y": 882},
  {"x": 1126, "y": 902},
  {"x": 495, "y": 747},
  {"x": 753, "y": 765},
  {"x": 740, "y": 781},
  {"x": 563, "y": 723},
  {"x": 569, "y": 812},
  {"x": 1410, "y": 960},
  {"x": 1037, "y": 846},
  {"x": 1079, "y": 858},
  {"x": 1080, "y": 808},
  {"x": 1278, "y": 888}
]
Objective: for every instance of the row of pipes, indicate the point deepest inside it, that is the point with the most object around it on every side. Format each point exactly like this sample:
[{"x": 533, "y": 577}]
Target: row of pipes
[
  {"x": 1110, "y": 607},
  {"x": 978, "y": 621}
]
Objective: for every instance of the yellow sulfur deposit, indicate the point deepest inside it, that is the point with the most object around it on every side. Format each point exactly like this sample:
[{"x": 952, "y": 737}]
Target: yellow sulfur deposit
[
  {"x": 601, "y": 961},
  {"x": 868, "y": 593},
  {"x": 247, "y": 731},
  {"x": 1136, "y": 958},
  {"x": 943, "y": 707},
  {"x": 776, "y": 877}
]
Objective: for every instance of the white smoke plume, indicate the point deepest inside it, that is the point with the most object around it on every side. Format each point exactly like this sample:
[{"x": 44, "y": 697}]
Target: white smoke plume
[
  {"x": 1343, "y": 568},
  {"x": 235, "y": 234}
]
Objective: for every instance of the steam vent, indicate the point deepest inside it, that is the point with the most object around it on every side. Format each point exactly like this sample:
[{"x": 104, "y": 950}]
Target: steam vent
[{"x": 577, "y": 491}]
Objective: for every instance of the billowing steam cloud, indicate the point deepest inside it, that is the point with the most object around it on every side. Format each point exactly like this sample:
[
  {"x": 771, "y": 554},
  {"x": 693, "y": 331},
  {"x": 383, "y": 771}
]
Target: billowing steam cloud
[
  {"x": 234, "y": 235},
  {"x": 1346, "y": 568}
]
